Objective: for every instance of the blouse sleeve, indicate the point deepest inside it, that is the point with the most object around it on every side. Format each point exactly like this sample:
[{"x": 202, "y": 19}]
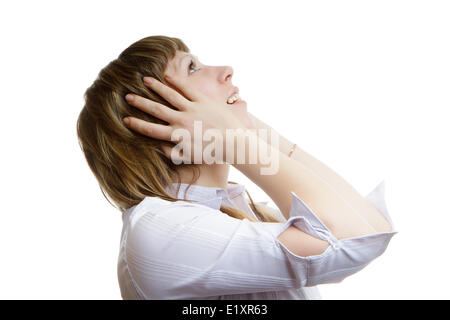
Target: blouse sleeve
[{"x": 187, "y": 251}]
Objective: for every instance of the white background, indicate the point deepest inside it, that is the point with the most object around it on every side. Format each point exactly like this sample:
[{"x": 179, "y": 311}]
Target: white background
[{"x": 361, "y": 85}]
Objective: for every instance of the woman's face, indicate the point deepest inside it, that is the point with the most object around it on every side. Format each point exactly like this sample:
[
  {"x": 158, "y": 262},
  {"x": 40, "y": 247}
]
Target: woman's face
[{"x": 212, "y": 81}]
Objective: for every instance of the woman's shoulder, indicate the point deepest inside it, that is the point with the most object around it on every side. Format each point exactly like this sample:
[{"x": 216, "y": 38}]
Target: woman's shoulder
[
  {"x": 153, "y": 209},
  {"x": 156, "y": 223}
]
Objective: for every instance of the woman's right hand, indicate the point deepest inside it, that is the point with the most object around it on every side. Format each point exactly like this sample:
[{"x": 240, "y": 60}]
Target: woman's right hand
[{"x": 193, "y": 106}]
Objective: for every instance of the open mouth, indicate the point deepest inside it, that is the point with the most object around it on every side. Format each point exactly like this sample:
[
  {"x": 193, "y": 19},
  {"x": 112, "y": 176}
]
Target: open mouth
[{"x": 234, "y": 99}]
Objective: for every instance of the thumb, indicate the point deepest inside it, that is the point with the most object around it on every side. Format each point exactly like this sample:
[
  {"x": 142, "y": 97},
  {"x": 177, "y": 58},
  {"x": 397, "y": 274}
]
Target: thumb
[{"x": 173, "y": 154}]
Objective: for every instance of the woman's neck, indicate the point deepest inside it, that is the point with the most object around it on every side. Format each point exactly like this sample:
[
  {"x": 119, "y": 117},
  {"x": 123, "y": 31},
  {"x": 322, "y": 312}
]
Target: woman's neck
[{"x": 212, "y": 175}]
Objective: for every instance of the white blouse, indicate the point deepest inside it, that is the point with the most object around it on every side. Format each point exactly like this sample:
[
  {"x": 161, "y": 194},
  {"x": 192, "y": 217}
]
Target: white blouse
[{"x": 180, "y": 250}]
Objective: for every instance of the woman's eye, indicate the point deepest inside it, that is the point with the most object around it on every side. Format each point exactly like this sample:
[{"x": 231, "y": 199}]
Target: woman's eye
[{"x": 192, "y": 64}]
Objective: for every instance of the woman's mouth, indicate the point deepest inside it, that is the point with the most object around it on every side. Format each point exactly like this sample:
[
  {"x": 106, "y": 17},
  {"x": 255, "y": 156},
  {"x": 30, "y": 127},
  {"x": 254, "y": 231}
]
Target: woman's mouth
[{"x": 235, "y": 98}]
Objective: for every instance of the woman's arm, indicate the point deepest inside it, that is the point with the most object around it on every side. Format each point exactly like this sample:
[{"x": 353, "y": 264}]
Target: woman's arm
[
  {"x": 342, "y": 187},
  {"x": 335, "y": 211}
]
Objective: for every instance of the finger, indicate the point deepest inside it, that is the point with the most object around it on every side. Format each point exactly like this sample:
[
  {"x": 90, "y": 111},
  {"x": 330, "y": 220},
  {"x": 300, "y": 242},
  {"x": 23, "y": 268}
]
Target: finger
[
  {"x": 174, "y": 97},
  {"x": 174, "y": 155},
  {"x": 183, "y": 85},
  {"x": 154, "y": 108},
  {"x": 152, "y": 130},
  {"x": 167, "y": 150},
  {"x": 169, "y": 94}
]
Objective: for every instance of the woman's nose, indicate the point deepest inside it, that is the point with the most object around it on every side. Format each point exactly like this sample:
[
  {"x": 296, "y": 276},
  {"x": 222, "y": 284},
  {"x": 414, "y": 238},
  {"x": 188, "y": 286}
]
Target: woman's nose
[{"x": 227, "y": 73}]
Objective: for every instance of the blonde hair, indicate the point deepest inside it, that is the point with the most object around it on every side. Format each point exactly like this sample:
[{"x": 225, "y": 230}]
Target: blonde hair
[{"x": 129, "y": 166}]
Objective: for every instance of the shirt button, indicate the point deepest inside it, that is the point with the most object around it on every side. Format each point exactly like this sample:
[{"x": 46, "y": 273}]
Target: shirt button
[{"x": 336, "y": 245}]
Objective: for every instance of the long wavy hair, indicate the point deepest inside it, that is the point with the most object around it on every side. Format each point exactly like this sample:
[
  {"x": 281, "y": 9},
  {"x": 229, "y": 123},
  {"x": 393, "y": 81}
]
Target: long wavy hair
[{"x": 127, "y": 165}]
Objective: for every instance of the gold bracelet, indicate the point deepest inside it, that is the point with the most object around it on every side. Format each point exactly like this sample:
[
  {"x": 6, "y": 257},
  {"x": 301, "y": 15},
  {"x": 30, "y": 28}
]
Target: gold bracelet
[{"x": 292, "y": 150}]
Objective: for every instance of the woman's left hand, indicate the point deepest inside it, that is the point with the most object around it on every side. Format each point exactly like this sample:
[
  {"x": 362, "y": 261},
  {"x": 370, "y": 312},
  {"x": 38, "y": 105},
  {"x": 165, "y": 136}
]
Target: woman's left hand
[{"x": 190, "y": 106}]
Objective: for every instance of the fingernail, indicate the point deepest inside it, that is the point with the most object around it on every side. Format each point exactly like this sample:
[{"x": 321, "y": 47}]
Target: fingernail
[
  {"x": 148, "y": 80},
  {"x": 126, "y": 121},
  {"x": 129, "y": 97}
]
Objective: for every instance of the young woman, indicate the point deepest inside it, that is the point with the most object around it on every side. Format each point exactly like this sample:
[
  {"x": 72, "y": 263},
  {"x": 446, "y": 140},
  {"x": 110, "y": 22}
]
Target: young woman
[{"x": 188, "y": 232}]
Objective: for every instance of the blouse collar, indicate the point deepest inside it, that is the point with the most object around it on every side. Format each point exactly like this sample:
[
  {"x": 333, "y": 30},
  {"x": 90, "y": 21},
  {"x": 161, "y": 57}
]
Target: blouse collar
[{"x": 209, "y": 196}]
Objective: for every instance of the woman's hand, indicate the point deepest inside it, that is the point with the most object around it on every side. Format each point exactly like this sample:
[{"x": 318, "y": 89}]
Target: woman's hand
[{"x": 190, "y": 106}]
